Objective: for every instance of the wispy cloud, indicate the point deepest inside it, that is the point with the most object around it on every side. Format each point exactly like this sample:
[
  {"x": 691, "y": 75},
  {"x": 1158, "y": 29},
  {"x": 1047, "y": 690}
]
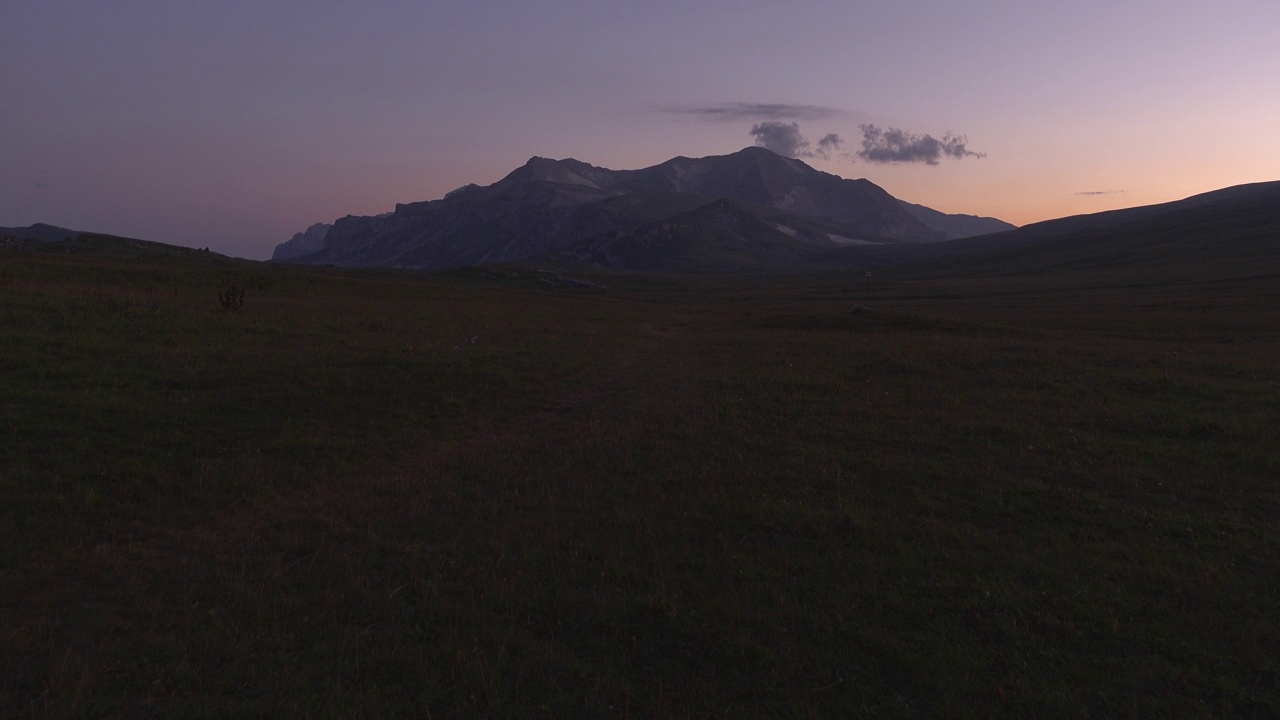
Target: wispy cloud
[
  {"x": 754, "y": 112},
  {"x": 898, "y": 146},
  {"x": 39, "y": 185},
  {"x": 829, "y": 143},
  {"x": 787, "y": 140},
  {"x": 1099, "y": 192}
]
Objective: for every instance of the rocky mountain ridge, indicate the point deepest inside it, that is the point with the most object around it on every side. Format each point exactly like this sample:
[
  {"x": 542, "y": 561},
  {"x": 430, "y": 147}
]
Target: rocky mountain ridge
[
  {"x": 304, "y": 243},
  {"x": 752, "y": 209}
]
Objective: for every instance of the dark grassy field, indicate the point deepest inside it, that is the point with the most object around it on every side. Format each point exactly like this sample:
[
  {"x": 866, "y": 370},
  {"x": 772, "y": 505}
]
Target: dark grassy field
[{"x": 492, "y": 494}]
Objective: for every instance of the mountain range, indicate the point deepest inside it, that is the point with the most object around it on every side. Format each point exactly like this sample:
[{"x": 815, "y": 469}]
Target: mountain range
[
  {"x": 750, "y": 210},
  {"x": 538, "y": 214}
]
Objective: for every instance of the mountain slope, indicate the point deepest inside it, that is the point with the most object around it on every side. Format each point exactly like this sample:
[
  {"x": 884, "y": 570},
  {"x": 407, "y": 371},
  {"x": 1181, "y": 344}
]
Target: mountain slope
[
  {"x": 712, "y": 236},
  {"x": 303, "y": 243},
  {"x": 759, "y": 176},
  {"x": 1226, "y": 234},
  {"x": 956, "y": 227}
]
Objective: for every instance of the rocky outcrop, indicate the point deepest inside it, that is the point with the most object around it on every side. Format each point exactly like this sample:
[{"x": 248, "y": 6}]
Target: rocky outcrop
[{"x": 306, "y": 242}]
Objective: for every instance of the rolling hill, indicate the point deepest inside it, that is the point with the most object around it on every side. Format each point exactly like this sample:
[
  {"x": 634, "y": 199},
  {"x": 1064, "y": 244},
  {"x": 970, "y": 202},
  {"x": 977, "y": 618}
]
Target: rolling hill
[
  {"x": 1228, "y": 233},
  {"x": 39, "y": 231}
]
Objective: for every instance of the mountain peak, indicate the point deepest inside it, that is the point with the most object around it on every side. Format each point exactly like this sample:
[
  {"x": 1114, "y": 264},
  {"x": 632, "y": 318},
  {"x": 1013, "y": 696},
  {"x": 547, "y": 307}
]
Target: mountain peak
[
  {"x": 756, "y": 150},
  {"x": 539, "y": 161},
  {"x": 568, "y": 171}
]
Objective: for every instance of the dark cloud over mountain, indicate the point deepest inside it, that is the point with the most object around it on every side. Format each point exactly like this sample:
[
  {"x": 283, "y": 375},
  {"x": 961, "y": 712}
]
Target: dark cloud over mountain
[
  {"x": 897, "y": 146},
  {"x": 878, "y": 146},
  {"x": 787, "y": 140},
  {"x": 782, "y": 138}
]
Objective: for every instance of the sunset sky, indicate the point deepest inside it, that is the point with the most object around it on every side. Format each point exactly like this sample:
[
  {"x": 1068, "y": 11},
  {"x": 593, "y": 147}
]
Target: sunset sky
[{"x": 235, "y": 124}]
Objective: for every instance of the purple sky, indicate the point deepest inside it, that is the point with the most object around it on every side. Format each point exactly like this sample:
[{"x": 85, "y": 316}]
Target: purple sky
[{"x": 235, "y": 124}]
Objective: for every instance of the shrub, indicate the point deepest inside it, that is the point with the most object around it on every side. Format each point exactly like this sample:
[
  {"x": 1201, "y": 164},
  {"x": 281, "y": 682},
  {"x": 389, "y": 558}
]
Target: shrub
[{"x": 231, "y": 296}]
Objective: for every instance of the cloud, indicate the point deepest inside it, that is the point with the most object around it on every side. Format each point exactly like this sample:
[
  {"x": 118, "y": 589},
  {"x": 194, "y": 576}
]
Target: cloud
[
  {"x": 755, "y": 112},
  {"x": 782, "y": 138},
  {"x": 896, "y": 146},
  {"x": 878, "y": 146},
  {"x": 1100, "y": 192},
  {"x": 787, "y": 140},
  {"x": 829, "y": 143},
  {"x": 39, "y": 185}
]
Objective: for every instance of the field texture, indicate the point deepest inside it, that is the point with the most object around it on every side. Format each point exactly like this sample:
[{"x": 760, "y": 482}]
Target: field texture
[{"x": 504, "y": 494}]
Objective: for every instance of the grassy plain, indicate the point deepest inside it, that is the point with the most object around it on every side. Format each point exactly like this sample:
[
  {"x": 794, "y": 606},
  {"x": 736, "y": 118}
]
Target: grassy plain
[{"x": 488, "y": 494}]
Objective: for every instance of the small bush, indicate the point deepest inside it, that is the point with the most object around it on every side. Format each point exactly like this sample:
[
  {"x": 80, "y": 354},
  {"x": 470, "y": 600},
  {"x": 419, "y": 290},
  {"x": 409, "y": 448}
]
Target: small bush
[{"x": 231, "y": 297}]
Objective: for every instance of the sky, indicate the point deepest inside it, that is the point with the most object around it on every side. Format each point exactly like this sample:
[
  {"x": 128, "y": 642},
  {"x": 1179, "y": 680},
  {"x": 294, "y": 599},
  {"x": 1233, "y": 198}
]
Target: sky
[{"x": 233, "y": 125}]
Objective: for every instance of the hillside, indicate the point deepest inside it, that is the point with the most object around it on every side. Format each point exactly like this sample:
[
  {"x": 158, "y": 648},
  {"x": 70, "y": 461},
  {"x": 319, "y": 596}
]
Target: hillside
[
  {"x": 1227, "y": 234},
  {"x": 38, "y": 231},
  {"x": 956, "y": 227}
]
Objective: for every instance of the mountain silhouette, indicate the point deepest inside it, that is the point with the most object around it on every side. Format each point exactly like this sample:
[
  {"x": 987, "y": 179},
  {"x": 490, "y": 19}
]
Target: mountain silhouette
[{"x": 752, "y": 209}]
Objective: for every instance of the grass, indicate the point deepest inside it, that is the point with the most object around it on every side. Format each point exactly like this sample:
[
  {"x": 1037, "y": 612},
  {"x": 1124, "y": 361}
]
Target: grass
[{"x": 481, "y": 495}]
